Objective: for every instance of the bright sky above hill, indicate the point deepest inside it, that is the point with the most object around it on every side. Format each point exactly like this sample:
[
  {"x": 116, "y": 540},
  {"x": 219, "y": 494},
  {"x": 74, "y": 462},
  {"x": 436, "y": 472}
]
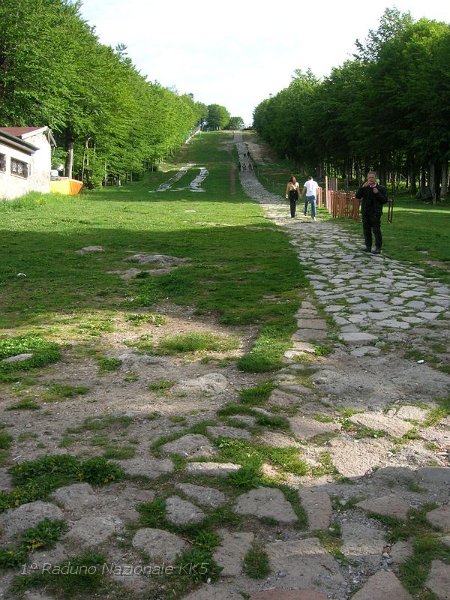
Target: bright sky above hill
[{"x": 238, "y": 52}]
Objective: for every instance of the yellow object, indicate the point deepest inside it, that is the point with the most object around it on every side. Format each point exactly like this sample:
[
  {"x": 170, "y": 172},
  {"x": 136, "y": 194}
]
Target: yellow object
[{"x": 66, "y": 186}]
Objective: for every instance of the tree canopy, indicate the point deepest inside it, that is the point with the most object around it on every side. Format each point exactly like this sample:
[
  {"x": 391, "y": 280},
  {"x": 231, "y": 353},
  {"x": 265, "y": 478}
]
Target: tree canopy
[
  {"x": 108, "y": 117},
  {"x": 388, "y": 108}
]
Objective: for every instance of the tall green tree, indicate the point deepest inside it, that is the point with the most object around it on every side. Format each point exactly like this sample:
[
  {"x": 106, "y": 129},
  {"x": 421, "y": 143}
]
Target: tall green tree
[{"x": 218, "y": 116}]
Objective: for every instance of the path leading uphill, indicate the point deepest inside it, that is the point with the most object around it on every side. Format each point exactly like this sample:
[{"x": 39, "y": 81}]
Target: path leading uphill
[{"x": 364, "y": 418}]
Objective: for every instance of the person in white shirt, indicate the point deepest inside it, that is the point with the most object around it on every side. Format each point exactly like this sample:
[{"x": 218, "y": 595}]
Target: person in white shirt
[{"x": 310, "y": 189}]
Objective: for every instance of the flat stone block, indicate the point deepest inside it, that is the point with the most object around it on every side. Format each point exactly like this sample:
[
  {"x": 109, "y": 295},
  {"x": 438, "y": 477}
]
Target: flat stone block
[
  {"x": 266, "y": 503},
  {"x": 358, "y": 337},
  {"x": 318, "y": 508},
  {"x": 439, "y": 580},
  {"x": 289, "y": 595},
  {"x": 211, "y": 469},
  {"x": 384, "y": 585},
  {"x": 230, "y": 554},
  {"x": 440, "y": 517},
  {"x": 306, "y": 429},
  {"x": 391, "y": 506}
]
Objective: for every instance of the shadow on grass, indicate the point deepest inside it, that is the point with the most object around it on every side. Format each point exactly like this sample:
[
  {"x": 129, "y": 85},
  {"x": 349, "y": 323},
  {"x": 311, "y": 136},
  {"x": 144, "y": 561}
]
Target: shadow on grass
[{"x": 232, "y": 272}]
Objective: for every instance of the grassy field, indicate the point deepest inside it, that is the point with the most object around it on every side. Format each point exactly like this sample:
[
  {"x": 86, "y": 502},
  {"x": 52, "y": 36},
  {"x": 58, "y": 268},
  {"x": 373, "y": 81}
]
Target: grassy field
[{"x": 241, "y": 268}]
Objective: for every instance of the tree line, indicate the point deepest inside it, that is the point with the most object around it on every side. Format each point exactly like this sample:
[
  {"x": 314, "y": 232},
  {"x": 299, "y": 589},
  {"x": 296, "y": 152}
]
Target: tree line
[
  {"x": 386, "y": 109},
  {"x": 107, "y": 118}
]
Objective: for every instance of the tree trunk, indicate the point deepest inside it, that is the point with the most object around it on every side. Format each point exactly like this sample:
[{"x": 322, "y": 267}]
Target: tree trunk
[
  {"x": 69, "y": 158},
  {"x": 433, "y": 181},
  {"x": 412, "y": 172},
  {"x": 444, "y": 178}
]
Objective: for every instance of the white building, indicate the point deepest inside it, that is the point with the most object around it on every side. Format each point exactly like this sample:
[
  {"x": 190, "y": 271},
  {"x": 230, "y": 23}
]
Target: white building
[{"x": 25, "y": 160}]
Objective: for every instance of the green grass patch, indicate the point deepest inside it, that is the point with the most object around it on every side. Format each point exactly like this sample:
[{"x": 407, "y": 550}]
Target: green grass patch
[
  {"x": 107, "y": 364},
  {"x": 24, "y": 404},
  {"x": 44, "y": 535},
  {"x": 60, "y": 391},
  {"x": 36, "y": 479},
  {"x": 196, "y": 342},
  {"x": 6, "y": 440},
  {"x": 42, "y": 353},
  {"x": 262, "y": 420},
  {"x": 258, "y": 394},
  {"x": 256, "y": 563},
  {"x": 146, "y": 319},
  {"x": 331, "y": 540},
  {"x": 435, "y": 415},
  {"x": 415, "y": 570},
  {"x": 161, "y": 386},
  {"x": 102, "y": 423},
  {"x": 252, "y": 456},
  {"x": 241, "y": 268},
  {"x": 119, "y": 452}
]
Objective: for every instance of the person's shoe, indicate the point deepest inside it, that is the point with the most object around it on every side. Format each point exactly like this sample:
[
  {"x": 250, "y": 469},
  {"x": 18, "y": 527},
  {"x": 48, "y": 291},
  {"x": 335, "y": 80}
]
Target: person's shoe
[
  {"x": 376, "y": 251},
  {"x": 366, "y": 249},
  {"x": 313, "y": 219}
]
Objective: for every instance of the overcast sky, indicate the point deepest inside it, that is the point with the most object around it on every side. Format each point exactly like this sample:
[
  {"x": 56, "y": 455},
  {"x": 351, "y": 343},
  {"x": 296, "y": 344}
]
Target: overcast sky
[{"x": 238, "y": 52}]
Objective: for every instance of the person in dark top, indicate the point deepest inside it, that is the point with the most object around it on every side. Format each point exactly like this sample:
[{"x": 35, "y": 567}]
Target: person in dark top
[
  {"x": 292, "y": 192},
  {"x": 372, "y": 196}
]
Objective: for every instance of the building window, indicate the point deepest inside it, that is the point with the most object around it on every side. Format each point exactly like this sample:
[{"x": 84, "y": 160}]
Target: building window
[
  {"x": 19, "y": 168},
  {"x": 2, "y": 163}
]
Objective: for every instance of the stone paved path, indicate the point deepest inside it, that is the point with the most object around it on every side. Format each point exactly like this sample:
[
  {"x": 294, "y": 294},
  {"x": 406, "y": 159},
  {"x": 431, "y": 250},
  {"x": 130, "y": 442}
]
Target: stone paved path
[{"x": 361, "y": 423}]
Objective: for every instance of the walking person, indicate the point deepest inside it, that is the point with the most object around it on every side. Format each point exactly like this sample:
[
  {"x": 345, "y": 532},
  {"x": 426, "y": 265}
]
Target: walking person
[
  {"x": 310, "y": 189},
  {"x": 372, "y": 196},
  {"x": 292, "y": 192}
]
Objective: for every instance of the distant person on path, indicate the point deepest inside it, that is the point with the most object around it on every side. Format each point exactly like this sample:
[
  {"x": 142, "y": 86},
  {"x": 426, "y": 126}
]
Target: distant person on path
[
  {"x": 372, "y": 196},
  {"x": 292, "y": 192},
  {"x": 310, "y": 189}
]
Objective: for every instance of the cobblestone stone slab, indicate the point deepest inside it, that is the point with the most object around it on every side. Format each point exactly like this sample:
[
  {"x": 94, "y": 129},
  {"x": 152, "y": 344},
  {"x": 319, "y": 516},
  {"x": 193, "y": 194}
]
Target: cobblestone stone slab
[
  {"x": 304, "y": 564},
  {"x": 230, "y": 554},
  {"x": 439, "y": 580},
  {"x": 266, "y": 503},
  {"x": 383, "y": 585}
]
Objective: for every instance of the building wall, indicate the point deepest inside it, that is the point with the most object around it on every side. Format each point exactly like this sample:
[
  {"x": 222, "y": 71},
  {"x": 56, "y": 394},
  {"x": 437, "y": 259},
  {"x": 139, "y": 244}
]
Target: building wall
[
  {"x": 38, "y": 180},
  {"x": 41, "y": 163}
]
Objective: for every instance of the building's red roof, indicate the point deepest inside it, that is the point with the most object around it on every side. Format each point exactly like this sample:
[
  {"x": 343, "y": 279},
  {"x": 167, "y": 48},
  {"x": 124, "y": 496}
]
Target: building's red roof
[{"x": 20, "y": 132}]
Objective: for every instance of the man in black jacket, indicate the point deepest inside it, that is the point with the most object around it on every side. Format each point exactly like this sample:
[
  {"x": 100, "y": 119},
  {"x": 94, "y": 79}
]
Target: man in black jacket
[{"x": 372, "y": 196}]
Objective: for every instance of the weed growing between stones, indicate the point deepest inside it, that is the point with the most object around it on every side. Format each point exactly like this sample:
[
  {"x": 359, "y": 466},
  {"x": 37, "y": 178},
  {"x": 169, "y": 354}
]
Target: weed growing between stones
[
  {"x": 6, "y": 440},
  {"x": 331, "y": 540},
  {"x": 82, "y": 574},
  {"x": 427, "y": 545},
  {"x": 44, "y": 535},
  {"x": 36, "y": 479},
  {"x": 258, "y": 394},
  {"x": 262, "y": 420},
  {"x": 256, "y": 562}
]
